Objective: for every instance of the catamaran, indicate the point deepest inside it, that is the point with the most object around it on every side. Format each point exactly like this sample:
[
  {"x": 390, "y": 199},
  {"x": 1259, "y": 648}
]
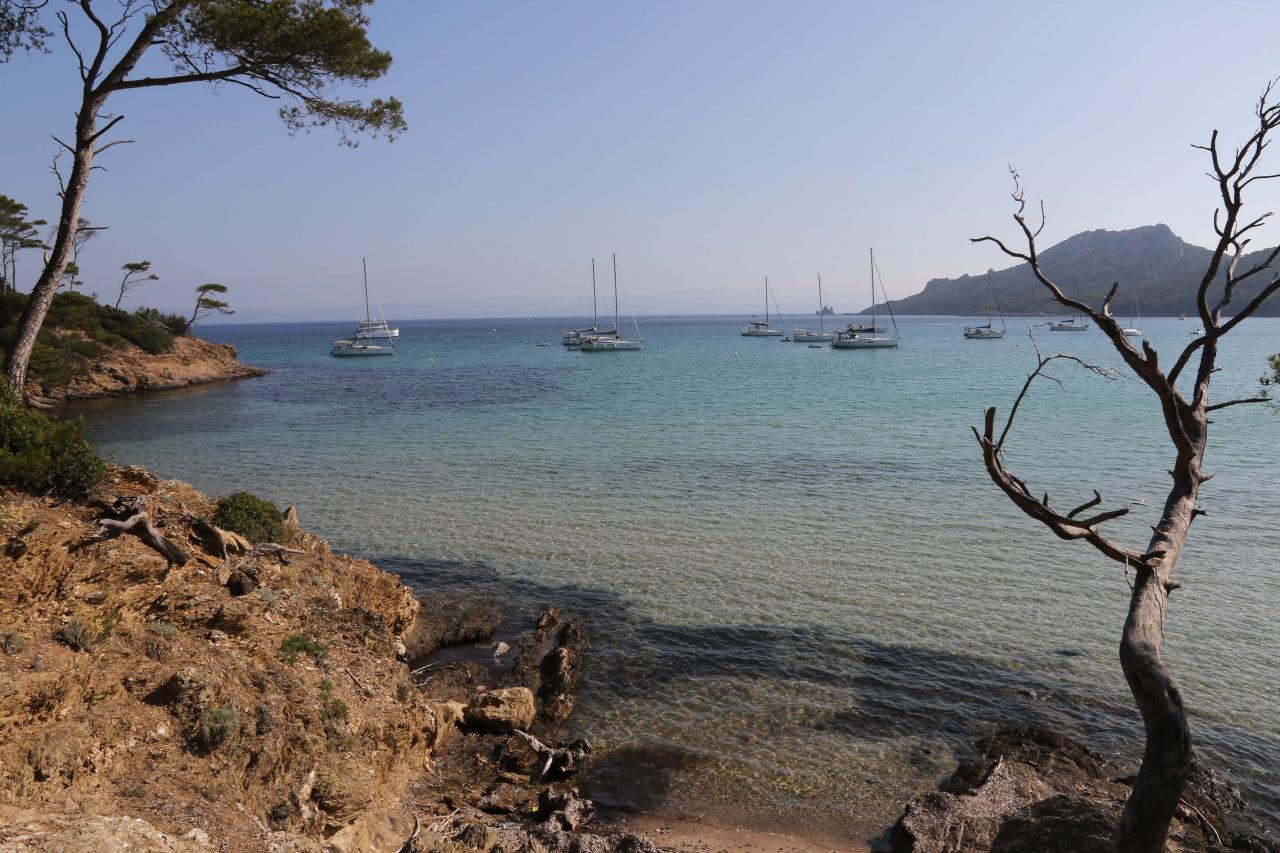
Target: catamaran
[
  {"x": 987, "y": 331},
  {"x": 757, "y": 328},
  {"x": 852, "y": 338},
  {"x": 611, "y": 341},
  {"x": 574, "y": 337},
  {"x": 361, "y": 342},
  {"x": 802, "y": 335}
]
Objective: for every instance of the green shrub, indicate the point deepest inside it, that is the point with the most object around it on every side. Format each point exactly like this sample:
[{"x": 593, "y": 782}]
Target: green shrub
[
  {"x": 297, "y": 644},
  {"x": 163, "y": 629},
  {"x": 218, "y": 726},
  {"x": 85, "y": 629},
  {"x": 254, "y": 518},
  {"x": 269, "y": 596},
  {"x": 45, "y": 456}
]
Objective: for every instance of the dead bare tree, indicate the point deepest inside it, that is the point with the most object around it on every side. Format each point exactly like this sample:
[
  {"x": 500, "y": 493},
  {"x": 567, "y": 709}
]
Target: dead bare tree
[{"x": 1167, "y": 757}]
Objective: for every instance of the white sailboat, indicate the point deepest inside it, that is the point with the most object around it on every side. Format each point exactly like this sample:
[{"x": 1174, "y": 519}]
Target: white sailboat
[
  {"x": 361, "y": 342},
  {"x": 758, "y": 329},
  {"x": 1074, "y": 323},
  {"x": 852, "y": 338},
  {"x": 574, "y": 337},
  {"x": 803, "y": 335},
  {"x": 987, "y": 331},
  {"x": 1133, "y": 330},
  {"x": 612, "y": 341}
]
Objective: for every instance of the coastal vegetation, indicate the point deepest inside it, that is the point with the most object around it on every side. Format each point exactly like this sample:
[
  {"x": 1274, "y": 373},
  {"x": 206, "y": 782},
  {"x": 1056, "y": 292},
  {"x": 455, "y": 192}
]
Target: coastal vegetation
[
  {"x": 1231, "y": 279},
  {"x": 288, "y": 50},
  {"x": 254, "y": 518},
  {"x": 42, "y": 455},
  {"x": 78, "y": 330}
]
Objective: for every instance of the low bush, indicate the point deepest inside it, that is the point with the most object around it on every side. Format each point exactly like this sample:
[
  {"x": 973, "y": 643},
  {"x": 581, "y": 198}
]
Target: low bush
[
  {"x": 85, "y": 629},
  {"x": 163, "y": 629},
  {"x": 218, "y": 726},
  {"x": 254, "y": 518},
  {"x": 299, "y": 644},
  {"x": 42, "y": 455},
  {"x": 11, "y": 641}
]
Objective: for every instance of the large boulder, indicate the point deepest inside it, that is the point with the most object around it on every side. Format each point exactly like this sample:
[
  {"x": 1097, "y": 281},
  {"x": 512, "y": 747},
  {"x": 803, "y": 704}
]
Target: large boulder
[{"x": 503, "y": 710}]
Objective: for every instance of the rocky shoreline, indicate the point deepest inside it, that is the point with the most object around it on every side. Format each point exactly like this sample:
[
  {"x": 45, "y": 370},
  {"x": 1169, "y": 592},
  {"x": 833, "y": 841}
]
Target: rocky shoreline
[
  {"x": 130, "y": 370},
  {"x": 169, "y": 686}
]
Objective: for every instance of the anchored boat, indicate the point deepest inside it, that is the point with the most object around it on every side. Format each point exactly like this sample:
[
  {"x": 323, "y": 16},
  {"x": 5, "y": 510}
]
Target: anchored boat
[{"x": 856, "y": 338}]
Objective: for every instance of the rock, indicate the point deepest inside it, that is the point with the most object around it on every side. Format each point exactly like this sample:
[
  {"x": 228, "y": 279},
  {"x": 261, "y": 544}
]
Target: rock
[
  {"x": 86, "y": 833},
  {"x": 290, "y": 518},
  {"x": 241, "y": 583},
  {"x": 449, "y": 718},
  {"x": 567, "y": 808},
  {"x": 477, "y": 836},
  {"x": 199, "y": 836},
  {"x": 444, "y": 621},
  {"x": 503, "y": 710},
  {"x": 549, "y": 662},
  {"x": 1031, "y": 790},
  {"x": 506, "y": 798}
]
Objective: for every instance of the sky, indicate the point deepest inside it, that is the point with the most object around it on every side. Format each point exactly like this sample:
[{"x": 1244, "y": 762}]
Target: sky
[{"x": 708, "y": 143}]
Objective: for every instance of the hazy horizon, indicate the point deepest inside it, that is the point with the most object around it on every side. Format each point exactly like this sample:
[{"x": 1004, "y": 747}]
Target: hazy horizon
[{"x": 708, "y": 144}]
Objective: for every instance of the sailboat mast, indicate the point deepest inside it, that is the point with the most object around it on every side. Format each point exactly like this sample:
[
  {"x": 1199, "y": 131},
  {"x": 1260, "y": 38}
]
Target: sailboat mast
[
  {"x": 365, "y": 266},
  {"x": 615, "y": 293},
  {"x": 873, "y": 289},
  {"x": 821, "y": 307},
  {"x": 594, "y": 311},
  {"x": 766, "y": 300}
]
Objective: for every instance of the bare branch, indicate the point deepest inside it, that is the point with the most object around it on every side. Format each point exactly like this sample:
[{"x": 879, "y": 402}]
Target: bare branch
[{"x": 1261, "y": 398}]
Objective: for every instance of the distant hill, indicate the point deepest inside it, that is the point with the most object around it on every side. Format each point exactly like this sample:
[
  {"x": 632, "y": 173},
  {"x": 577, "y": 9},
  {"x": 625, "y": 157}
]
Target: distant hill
[{"x": 1153, "y": 262}]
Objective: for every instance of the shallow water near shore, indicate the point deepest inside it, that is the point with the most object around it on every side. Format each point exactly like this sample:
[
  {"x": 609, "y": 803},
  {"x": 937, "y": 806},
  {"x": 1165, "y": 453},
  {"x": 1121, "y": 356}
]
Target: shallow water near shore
[{"x": 804, "y": 593}]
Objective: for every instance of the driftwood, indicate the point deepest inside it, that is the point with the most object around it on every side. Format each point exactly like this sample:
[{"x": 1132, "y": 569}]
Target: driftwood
[
  {"x": 556, "y": 762},
  {"x": 140, "y": 525}
]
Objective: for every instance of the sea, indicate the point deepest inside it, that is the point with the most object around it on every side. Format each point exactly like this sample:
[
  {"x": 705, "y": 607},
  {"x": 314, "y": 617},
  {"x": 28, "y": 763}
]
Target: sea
[{"x": 806, "y": 599}]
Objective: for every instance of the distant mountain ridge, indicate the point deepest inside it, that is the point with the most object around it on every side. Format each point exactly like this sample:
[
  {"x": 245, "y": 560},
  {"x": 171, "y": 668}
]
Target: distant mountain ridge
[{"x": 1152, "y": 262}]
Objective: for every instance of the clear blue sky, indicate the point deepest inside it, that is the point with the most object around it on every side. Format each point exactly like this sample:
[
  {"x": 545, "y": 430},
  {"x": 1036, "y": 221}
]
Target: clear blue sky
[{"x": 707, "y": 143}]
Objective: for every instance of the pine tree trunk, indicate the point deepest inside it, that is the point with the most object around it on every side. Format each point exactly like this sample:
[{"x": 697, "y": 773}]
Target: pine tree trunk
[{"x": 19, "y": 354}]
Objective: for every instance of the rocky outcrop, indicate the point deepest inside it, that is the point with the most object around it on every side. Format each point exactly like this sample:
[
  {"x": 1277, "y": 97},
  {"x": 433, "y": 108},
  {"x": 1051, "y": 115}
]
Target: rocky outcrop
[
  {"x": 1030, "y": 790},
  {"x": 130, "y": 370},
  {"x": 445, "y": 621},
  {"x": 548, "y": 661}
]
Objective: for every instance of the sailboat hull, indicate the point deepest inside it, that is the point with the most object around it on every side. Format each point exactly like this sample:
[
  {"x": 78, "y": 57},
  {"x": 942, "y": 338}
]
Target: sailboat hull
[
  {"x": 1131, "y": 333},
  {"x": 611, "y": 346},
  {"x": 1068, "y": 326},
  {"x": 766, "y": 333},
  {"x": 984, "y": 334},
  {"x": 803, "y": 336},
  {"x": 856, "y": 342}
]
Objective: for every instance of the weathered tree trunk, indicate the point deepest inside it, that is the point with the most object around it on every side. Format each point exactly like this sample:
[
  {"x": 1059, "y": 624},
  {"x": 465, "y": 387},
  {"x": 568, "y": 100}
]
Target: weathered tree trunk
[
  {"x": 19, "y": 354},
  {"x": 1166, "y": 759}
]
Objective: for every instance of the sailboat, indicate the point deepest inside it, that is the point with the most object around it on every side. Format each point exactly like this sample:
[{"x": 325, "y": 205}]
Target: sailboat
[
  {"x": 1133, "y": 330},
  {"x": 611, "y": 341},
  {"x": 574, "y": 337},
  {"x": 855, "y": 338},
  {"x": 987, "y": 331},
  {"x": 361, "y": 342},
  {"x": 801, "y": 335},
  {"x": 758, "y": 329},
  {"x": 1074, "y": 323}
]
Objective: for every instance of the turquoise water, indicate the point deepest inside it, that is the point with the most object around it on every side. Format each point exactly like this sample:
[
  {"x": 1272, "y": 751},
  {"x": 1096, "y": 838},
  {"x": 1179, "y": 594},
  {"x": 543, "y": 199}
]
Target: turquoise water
[{"x": 805, "y": 593}]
